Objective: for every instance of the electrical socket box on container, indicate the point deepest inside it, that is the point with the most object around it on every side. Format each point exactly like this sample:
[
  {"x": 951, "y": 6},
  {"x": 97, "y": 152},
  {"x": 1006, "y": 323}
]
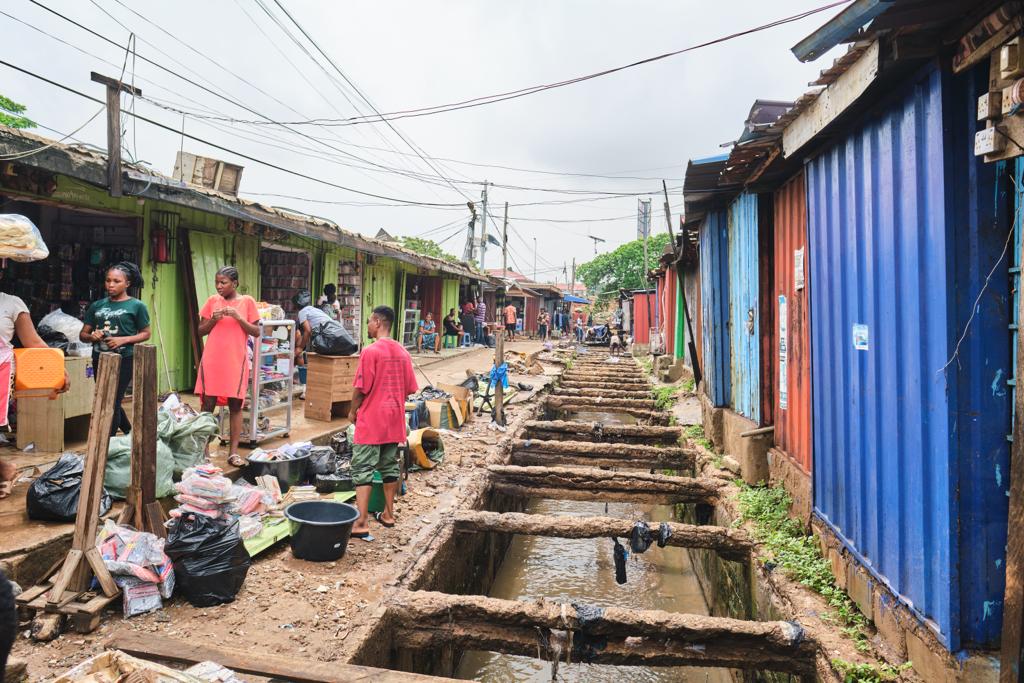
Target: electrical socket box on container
[
  {"x": 1010, "y": 59},
  {"x": 989, "y": 105},
  {"x": 1006, "y": 100},
  {"x": 988, "y": 141}
]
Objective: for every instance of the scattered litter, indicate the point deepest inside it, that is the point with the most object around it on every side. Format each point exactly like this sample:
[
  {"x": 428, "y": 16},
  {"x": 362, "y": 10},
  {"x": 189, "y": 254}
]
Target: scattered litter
[
  {"x": 664, "y": 533},
  {"x": 620, "y": 555},
  {"x": 640, "y": 538}
]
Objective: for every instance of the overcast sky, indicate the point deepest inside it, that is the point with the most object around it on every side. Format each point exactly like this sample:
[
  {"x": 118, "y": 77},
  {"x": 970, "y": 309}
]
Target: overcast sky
[{"x": 646, "y": 121}]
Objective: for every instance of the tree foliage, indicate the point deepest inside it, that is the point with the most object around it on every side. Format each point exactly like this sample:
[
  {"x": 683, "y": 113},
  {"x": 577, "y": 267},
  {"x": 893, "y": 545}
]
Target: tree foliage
[
  {"x": 426, "y": 247},
  {"x": 12, "y": 114},
  {"x": 622, "y": 268}
]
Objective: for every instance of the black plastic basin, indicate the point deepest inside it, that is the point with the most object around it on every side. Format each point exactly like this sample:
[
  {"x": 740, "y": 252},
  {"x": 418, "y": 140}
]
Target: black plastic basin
[
  {"x": 320, "y": 529},
  {"x": 288, "y": 472}
]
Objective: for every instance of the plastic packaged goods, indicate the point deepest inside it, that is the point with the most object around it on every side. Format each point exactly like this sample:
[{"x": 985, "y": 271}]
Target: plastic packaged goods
[{"x": 20, "y": 239}]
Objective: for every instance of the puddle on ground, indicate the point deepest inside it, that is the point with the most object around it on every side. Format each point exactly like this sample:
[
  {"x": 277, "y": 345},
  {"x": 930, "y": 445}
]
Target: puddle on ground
[
  {"x": 582, "y": 569},
  {"x": 600, "y": 416}
]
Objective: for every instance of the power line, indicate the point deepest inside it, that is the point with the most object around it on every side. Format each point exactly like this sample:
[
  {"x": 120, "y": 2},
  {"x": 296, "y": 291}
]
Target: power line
[
  {"x": 523, "y": 92},
  {"x": 225, "y": 149}
]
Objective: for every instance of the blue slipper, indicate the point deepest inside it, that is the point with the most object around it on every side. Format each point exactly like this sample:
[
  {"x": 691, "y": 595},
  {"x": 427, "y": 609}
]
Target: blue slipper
[{"x": 363, "y": 536}]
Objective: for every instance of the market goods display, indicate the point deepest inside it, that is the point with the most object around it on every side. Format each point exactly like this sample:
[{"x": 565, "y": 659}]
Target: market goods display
[{"x": 20, "y": 239}]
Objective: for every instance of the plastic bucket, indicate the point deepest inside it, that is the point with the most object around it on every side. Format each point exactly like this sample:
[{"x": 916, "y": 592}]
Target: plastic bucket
[
  {"x": 320, "y": 529},
  {"x": 288, "y": 472}
]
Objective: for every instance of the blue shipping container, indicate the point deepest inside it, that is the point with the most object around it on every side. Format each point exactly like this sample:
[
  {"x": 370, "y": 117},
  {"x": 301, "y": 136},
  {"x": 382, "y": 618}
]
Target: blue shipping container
[
  {"x": 910, "y": 411},
  {"x": 714, "y": 292},
  {"x": 744, "y": 330}
]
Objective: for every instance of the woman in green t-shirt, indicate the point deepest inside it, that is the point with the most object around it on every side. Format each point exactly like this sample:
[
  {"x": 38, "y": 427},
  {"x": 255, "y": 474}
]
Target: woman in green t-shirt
[{"x": 116, "y": 324}]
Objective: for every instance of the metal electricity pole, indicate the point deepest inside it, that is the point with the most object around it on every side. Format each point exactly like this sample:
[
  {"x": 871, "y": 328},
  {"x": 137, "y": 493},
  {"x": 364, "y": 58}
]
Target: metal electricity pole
[
  {"x": 483, "y": 229},
  {"x": 504, "y": 244},
  {"x": 114, "y": 90},
  {"x": 572, "y": 287}
]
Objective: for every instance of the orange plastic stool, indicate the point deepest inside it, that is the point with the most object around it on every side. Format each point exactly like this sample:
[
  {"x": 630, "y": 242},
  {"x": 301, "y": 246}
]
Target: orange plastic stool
[{"x": 38, "y": 372}]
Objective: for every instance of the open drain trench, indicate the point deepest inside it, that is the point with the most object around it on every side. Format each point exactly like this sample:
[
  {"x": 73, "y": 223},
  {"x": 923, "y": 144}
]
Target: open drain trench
[{"x": 435, "y": 616}]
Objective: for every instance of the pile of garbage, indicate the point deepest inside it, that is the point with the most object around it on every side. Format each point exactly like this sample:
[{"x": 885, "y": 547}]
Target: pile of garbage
[{"x": 140, "y": 567}]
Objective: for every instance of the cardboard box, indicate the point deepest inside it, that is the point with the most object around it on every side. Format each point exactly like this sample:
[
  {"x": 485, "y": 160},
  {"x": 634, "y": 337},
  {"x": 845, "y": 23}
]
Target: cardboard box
[{"x": 464, "y": 398}]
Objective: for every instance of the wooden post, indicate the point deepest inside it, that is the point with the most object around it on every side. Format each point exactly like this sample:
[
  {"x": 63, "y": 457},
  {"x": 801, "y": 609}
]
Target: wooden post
[
  {"x": 142, "y": 509},
  {"x": 499, "y": 390},
  {"x": 114, "y": 90},
  {"x": 1013, "y": 599},
  {"x": 75, "y": 574}
]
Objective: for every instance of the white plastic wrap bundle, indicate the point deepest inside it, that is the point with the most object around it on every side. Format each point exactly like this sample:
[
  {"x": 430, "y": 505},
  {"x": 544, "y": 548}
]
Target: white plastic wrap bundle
[{"x": 20, "y": 239}]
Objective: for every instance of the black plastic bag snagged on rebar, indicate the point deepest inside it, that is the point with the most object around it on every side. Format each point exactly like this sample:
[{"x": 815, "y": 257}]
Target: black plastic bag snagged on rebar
[
  {"x": 619, "y": 555},
  {"x": 585, "y": 645},
  {"x": 641, "y": 537},
  {"x": 664, "y": 533}
]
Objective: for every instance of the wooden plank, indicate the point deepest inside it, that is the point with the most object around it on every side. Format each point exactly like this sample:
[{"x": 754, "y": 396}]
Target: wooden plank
[
  {"x": 41, "y": 422},
  {"x": 832, "y": 101},
  {"x": 106, "y": 581},
  {"x": 78, "y": 398},
  {"x": 1012, "y": 641},
  {"x": 66, "y": 576},
  {"x": 157, "y": 647}
]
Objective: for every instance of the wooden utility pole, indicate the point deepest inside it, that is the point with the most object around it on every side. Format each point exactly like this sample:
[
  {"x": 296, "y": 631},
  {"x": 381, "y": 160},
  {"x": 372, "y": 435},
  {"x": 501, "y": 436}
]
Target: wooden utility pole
[
  {"x": 1013, "y": 599},
  {"x": 504, "y": 245},
  {"x": 499, "y": 389},
  {"x": 572, "y": 287},
  {"x": 114, "y": 90}
]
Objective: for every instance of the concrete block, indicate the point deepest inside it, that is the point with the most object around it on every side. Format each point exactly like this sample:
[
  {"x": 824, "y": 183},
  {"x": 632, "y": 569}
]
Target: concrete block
[
  {"x": 980, "y": 669},
  {"x": 835, "y": 558},
  {"x": 859, "y": 586},
  {"x": 729, "y": 463},
  {"x": 887, "y": 623},
  {"x": 783, "y": 471},
  {"x": 928, "y": 663},
  {"x": 639, "y": 350},
  {"x": 751, "y": 453},
  {"x": 713, "y": 422}
]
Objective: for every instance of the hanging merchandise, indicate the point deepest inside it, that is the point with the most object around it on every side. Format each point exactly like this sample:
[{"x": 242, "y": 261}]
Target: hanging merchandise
[
  {"x": 54, "y": 495},
  {"x": 20, "y": 239}
]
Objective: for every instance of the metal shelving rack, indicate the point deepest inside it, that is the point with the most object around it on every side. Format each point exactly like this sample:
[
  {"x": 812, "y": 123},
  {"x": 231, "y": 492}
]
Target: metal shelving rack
[{"x": 254, "y": 414}]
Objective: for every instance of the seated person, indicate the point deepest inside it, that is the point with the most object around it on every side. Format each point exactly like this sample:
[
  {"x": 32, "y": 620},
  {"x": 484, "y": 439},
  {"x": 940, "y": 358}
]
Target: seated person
[
  {"x": 452, "y": 328},
  {"x": 428, "y": 335},
  {"x": 308, "y": 318}
]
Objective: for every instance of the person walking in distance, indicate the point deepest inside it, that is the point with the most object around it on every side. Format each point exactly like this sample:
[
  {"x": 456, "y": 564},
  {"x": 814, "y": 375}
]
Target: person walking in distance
[
  {"x": 510, "y": 315},
  {"x": 480, "y": 316},
  {"x": 384, "y": 379}
]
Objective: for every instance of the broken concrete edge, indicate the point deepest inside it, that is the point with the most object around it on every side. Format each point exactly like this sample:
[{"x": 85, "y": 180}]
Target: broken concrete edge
[{"x": 785, "y": 594}]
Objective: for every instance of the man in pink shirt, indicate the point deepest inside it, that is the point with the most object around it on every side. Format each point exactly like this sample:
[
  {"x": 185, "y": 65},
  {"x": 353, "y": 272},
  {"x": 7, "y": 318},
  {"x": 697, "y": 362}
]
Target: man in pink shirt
[{"x": 384, "y": 379}]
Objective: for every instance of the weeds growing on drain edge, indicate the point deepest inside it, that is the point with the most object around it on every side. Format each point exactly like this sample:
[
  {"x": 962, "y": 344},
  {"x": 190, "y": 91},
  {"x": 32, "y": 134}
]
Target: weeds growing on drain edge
[
  {"x": 869, "y": 673},
  {"x": 696, "y": 433},
  {"x": 800, "y": 555},
  {"x": 689, "y": 385},
  {"x": 664, "y": 397}
]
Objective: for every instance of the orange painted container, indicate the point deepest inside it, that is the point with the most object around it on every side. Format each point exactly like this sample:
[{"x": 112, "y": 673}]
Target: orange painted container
[
  {"x": 791, "y": 355},
  {"x": 38, "y": 370}
]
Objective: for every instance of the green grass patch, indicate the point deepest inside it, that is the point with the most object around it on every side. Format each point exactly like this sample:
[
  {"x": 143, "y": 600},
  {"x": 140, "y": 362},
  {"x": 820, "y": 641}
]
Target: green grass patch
[
  {"x": 799, "y": 554},
  {"x": 696, "y": 434},
  {"x": 868, "y": 673},
  {"x": 665, "y": 397},
  {"x": 646, "y": 363},
  {"x": 689, "y": 386}
]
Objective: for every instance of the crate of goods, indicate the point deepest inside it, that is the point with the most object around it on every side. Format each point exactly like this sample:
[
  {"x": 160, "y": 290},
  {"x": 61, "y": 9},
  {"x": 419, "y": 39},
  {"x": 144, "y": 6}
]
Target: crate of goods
[{"x": 328, "y": 383}]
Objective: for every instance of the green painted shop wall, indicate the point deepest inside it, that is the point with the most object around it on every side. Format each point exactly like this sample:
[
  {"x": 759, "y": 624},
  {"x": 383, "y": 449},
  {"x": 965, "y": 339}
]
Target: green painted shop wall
[
  {"x": 379, "y": 282},
  {"x": 449, "y": 297},
  {"x": 245, "y": 252},
  {"x": 680, "y": 336}
]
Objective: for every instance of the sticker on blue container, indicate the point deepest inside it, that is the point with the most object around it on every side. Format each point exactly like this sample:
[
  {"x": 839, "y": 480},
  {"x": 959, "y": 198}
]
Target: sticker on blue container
[{"x": 860, "y": 337}]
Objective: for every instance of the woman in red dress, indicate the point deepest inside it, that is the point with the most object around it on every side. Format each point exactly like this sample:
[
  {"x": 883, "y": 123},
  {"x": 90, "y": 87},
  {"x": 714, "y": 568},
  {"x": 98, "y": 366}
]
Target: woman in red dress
[{"x": 230, "y": 319}]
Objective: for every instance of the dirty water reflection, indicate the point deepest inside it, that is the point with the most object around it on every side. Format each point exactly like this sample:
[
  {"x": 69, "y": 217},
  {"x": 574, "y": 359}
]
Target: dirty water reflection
[{"x": 582, "y": 569}]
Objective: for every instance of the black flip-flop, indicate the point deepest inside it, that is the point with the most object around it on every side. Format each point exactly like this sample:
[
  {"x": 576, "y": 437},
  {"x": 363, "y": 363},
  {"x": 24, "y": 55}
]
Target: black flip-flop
[
  {"x": 362, "y": 535},
  {"x": 386, "y": 525}
]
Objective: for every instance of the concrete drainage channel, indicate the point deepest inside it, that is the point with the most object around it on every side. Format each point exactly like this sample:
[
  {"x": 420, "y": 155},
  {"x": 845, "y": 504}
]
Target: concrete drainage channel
[{"x": 595, "y": 441}]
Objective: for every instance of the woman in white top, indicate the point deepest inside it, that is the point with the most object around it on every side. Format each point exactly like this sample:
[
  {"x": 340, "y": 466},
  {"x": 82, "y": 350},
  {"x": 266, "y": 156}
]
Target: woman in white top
[{"x": 14, "y": 322}]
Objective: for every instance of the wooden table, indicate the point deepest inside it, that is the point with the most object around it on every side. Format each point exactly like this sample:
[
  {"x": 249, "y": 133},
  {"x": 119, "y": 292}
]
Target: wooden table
[{"x": 43, "y": 421}]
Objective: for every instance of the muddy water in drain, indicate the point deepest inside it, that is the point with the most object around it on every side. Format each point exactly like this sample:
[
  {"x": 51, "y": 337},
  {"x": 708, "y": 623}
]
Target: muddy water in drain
[{"x": 583, "y": 570}]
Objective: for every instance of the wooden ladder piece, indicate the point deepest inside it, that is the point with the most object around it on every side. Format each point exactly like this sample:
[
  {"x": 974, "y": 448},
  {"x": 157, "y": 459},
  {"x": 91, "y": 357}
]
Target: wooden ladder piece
[
  {"x": 142, "y": 509},
  {"x": 75, "y": 575}
]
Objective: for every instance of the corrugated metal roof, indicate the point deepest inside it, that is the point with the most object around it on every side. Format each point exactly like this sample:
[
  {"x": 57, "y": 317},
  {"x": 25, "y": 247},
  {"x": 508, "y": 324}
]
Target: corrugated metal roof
[{"x": 89, "y": 164}]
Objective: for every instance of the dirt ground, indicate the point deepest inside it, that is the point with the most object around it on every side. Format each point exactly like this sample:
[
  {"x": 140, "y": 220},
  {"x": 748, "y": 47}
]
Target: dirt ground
[{"x": 304, "y": 609}]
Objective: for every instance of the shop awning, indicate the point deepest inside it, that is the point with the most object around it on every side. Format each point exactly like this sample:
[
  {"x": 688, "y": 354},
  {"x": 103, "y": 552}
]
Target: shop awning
[{"x": 574, "y": 299}]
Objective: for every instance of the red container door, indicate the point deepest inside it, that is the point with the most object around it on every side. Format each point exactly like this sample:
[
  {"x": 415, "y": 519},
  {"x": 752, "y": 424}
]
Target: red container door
[{"x": 791, "y": 357}]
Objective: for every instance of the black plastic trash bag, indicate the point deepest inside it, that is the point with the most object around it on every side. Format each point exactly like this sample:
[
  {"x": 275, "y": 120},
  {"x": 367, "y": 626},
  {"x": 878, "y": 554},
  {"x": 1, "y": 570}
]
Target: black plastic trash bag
[
  {"x": 53, "y": 497},
  {"x": 322, "y": 460},
  {"x": 330, "y": 338},
  {"x": 664, "y": 533},
  {"x": 619, "y": 555},
  {"x": 640, "y": 538},
  {"x": 210, "y": 560}
]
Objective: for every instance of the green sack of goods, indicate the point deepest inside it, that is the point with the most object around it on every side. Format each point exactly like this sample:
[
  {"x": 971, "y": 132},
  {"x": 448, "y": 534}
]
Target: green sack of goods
[
  {"x": 188, "y": 438},
  {"x": 118, "y": 475}
]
